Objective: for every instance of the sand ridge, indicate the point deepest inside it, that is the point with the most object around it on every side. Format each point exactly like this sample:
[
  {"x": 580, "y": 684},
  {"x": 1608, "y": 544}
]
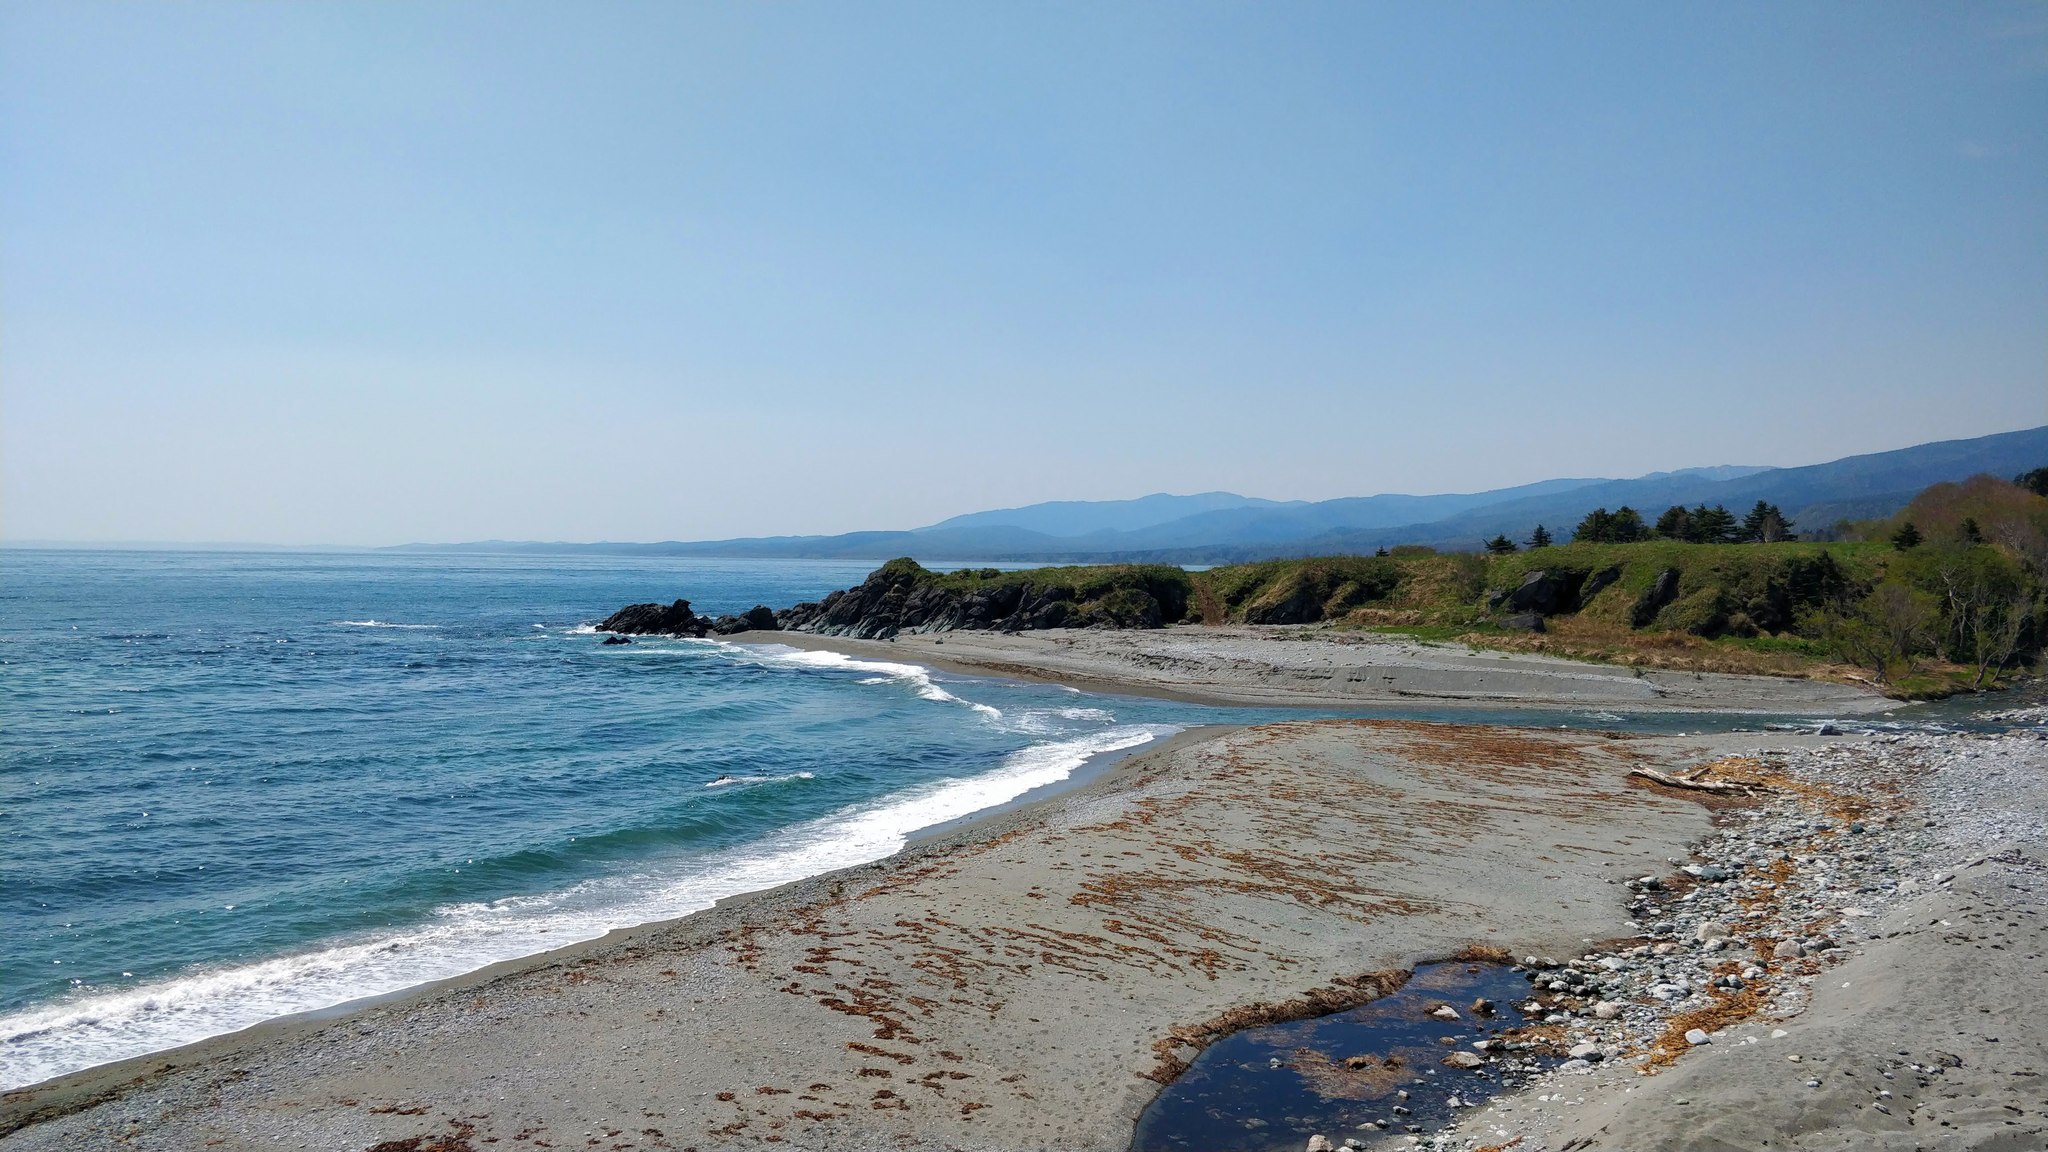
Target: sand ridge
[{"x": 1320, "y": 666}]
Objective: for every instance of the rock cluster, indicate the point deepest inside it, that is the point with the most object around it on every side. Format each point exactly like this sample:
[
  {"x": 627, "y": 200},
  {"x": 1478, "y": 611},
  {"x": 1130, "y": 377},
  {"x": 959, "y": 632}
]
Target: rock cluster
[
  {"x": 1779, "y": 893},
  {"x": 901, "y": 596},
  {"x": 1548, "y": 592},
  {"x": 655, "y": 620}
]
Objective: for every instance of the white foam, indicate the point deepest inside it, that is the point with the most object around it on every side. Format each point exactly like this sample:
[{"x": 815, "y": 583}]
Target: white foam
[
  {"x": 95, "y": 1027},
  {"x": 917, "y": 676},
  {"x": 583, "y": 630},
  {"x": 382, "y": 624},
  {"x": 731, "y": 781}
]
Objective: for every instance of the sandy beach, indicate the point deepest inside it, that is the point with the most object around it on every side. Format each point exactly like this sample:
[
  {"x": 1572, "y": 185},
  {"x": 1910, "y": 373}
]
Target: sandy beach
[
  {"x": 1031, "y": 979},
  {"x": 1318, "y": 666},
  {"x": 1011, "y": 985}
]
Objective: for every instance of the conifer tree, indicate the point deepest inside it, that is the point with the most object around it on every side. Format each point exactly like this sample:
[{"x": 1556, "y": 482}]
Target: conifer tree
[
  {"x": 1906, "y": 538},
  {"x": 1765, "y": 524},
  {"x": 1628, "y": 526},
  {"x": 1540, "y": 538},
  {"x": 1714, "y": 525},
  {"x": 1500, "y": 545},
  {"x": 1675, "y": 523},
  {"x": 1595, "y": 528}
]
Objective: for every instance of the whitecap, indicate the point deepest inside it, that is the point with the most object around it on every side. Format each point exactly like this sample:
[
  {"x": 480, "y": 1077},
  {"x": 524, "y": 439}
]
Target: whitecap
[
  {"x": 382, "y": 624},
  {"x": 735, "y": 781},
  {"x": 917, "y": 676}
]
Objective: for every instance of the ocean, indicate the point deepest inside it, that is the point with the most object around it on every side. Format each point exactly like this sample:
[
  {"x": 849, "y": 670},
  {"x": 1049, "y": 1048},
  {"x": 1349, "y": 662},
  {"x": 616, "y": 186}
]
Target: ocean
[{"x": 238, "y": 786}]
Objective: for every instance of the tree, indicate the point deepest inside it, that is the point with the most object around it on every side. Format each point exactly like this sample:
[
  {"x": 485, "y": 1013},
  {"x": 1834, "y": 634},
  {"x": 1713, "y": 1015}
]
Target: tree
[
  {"x": 1382, "y": 551},
  {"x": 1903, "y": 616},
  {"x": 1500, "y": 545},
  {"x": 1540, "y": 538},
  {"x": 1675, "y": 523},
  {"x": 1706, "y": 525},
  {"x": 1906, "y": 538},
  {"x": 1881, "y": 631},
  {"x": 1765, "y": 524},
  {"x": 1595, "y": 528},
  {"x": 2000, "y": 628},
  {"x": 2035, "y": 481},
  {"x": 1968, "y": 531},
  {"x": 1624, "y": 525}
]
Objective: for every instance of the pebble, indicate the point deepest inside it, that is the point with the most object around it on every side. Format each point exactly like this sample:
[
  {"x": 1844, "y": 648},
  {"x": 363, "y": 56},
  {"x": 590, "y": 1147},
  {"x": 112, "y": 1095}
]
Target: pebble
[{"x": 1787, "y": 868}]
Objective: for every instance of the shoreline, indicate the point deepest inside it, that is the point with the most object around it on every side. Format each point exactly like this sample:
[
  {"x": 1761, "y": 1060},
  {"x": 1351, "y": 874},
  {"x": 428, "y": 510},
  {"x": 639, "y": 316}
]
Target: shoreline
[
  {"x": 429, "y": 1016},
  {"x": 1313, "y": 666},
  {"x": 933, "y": 837}
]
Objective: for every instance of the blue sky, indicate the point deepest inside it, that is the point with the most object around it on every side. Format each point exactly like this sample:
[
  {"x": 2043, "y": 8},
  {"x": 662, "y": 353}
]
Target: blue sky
[{"x": 380, "y": 272}]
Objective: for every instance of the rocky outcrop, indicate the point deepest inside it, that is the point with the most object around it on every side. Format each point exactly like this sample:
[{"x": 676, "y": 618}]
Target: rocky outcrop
[
  {"x": 656, "y": 620},
  {"x": 759, "y": 618},
  {"x": 1654, "y": 598},
  {"x": 1546, "y": 592},
  {"x": 902, "y": 596},
  {"x": 1597, "y": 583}
]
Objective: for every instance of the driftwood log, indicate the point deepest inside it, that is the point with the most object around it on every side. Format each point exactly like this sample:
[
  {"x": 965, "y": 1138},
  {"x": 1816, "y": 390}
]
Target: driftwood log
[{"x": 1694, "y": 782}]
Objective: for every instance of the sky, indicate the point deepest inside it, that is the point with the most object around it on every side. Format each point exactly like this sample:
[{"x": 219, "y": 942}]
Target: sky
[{"x": 371, "y": 273}]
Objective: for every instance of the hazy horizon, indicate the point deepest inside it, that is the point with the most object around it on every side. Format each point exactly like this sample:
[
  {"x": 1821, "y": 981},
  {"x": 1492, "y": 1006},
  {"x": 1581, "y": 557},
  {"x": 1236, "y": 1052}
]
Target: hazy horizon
[{"x": 373, "y": 274}]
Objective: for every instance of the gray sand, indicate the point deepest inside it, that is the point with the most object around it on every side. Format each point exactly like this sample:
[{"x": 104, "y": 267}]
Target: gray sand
[
  {"x": 1925, "y": 1031},
  {"x": 1003, "y": 987},
  {"x": 1324, "y": 667}
]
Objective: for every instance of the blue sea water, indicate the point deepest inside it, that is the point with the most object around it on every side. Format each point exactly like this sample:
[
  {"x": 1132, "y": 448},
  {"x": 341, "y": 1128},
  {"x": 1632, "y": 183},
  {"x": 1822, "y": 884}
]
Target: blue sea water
[
  {"x": 236, "y": 786},
  {"x": 241, "y": 785}
]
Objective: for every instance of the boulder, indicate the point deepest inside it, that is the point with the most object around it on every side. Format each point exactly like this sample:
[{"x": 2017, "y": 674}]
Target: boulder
[
  {"x": 1597, "y": 583},
  {"x": 1660, "y": 593},
  {"x": 1523, "y": 622},
  {"x": 1546, "y": 592},
  {"x": 656, "y": 620},
  {"x": 759, "y": 618},
  {"x": 617, "y": 639}
]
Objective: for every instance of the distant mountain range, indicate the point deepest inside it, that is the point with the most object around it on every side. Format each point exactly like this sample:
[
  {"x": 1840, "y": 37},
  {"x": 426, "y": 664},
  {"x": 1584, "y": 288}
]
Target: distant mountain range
[{"x": 1223, "y": 527}]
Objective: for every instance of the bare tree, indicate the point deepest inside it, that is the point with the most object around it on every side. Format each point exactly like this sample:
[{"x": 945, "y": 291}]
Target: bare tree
[{"x": 1999, "y": 630}]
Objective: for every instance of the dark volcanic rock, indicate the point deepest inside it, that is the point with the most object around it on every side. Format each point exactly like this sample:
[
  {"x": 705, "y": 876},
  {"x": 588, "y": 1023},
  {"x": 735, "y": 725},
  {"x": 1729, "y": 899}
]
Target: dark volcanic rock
[
  {"x": 1546, "y": 592},
  {"x": 1597, "y": 583},
  {"x": 1654, "y": 598},
  {"x": 1523, "y": 622},
  {"x": 901, "y": 596},
  {"x": 617, "y": 639},
  {"x": 759, "y": 618},
  {"x": 656, "y": 620}
]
